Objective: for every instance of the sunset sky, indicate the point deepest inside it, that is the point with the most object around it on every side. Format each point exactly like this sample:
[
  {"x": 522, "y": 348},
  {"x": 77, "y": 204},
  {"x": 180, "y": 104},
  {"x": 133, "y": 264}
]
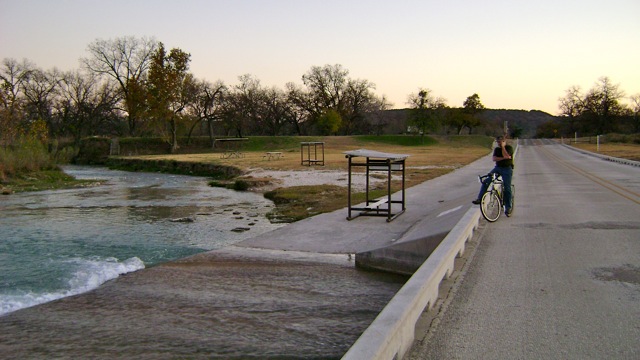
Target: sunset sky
[{"x": 514, "y": 54}]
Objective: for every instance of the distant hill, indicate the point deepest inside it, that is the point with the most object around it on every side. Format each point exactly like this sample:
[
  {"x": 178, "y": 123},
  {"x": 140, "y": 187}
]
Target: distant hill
[
  {"x": 396, "y": 121},
  {"x": 528, "y": 121}
]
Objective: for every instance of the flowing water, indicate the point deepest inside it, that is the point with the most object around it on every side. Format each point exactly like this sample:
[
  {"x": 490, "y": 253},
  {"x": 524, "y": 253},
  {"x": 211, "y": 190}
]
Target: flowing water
[
  {"x": 232, "y": 303},
  {"x": 59, "y": 243}
]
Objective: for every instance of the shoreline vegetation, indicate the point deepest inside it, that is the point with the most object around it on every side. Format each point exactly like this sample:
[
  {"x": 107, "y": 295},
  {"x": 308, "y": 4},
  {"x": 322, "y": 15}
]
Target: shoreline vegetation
[{"x": 31, "y": 168}]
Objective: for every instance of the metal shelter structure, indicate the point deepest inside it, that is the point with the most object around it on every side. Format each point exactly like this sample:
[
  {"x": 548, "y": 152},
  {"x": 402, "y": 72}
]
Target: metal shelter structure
[{"x": 377, "y": 161}]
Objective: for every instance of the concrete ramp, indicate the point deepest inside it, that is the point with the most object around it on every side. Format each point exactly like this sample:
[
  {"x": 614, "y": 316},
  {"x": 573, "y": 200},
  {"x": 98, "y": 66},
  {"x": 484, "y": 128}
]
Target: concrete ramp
[
  {"x": 404, "y": 258},
  {"x": 411, "y": 250}
]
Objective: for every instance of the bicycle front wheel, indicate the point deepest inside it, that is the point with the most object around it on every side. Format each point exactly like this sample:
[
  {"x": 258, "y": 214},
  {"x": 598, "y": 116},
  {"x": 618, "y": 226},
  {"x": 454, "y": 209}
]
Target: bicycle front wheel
[
  {"x": 513, "y": 197},
  {"x": 491, "y": 206}
]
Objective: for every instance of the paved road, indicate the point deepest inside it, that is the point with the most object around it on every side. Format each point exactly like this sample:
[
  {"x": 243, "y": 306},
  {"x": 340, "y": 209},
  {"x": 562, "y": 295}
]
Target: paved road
[{"x": 558, "y": 280}]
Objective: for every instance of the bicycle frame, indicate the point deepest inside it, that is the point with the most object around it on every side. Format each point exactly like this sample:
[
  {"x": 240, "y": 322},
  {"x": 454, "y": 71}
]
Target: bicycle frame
[{"x": 496, "y": 183}]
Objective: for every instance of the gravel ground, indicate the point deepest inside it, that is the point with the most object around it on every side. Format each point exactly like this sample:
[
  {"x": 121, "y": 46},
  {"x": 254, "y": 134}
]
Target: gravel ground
[{"x": 312, "y": 177}]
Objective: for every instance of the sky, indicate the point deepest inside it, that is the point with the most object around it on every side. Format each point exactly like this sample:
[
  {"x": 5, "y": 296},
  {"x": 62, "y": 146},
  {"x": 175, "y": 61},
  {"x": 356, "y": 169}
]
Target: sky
[{"x": 514, "y": 54}]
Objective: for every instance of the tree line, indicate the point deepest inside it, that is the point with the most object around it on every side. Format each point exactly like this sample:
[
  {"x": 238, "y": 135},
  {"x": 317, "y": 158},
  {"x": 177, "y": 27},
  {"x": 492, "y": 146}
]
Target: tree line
[
  {"x": 132, "y": 86},
  {"x": 600, "y": 110},
  {"x": 136, "y": 87}
]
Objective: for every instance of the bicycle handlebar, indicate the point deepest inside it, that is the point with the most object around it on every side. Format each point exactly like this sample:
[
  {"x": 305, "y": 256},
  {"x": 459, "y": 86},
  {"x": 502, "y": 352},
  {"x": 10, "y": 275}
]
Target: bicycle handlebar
[{"x": 493, "y": 176}]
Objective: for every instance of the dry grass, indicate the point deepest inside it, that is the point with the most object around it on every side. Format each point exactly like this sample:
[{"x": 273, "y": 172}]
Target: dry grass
[
  {"x": 440, "y": 158},
  {"x": 292, "y": 204},
  {"x": 619, "y": 150}
]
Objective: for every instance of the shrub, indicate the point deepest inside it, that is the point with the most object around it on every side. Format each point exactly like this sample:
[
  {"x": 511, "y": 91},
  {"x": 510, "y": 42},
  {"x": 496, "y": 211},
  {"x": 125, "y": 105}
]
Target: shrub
[
  {"x": 23, "y": 157},
  {"x": 240, "y": 185}
]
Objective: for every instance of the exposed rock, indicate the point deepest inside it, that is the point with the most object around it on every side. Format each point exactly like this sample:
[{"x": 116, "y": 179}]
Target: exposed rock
[
  {"x": 240, "y": 229},
  {"x": 184, "y": 220}
]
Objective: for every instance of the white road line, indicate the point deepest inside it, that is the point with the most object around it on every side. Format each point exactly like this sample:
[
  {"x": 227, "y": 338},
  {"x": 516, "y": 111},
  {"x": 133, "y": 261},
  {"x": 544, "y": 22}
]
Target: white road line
[{"x": 449, "y": 211}]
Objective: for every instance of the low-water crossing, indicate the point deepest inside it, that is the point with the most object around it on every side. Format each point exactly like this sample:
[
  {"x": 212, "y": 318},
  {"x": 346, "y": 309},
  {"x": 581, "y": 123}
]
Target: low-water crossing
[{"x": 226, "y": 304}]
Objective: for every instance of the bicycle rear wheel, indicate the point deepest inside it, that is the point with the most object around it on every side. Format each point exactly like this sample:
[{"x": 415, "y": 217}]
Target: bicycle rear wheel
[{"x": 491, "y": 206}]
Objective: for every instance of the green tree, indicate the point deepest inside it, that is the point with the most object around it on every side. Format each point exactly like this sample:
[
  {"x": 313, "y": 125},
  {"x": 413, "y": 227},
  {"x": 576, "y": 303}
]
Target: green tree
[
  {"x": 426, "y": 111},
  {"x": 472, "y": 106},
  {"x": 329, "y": 87},
  {"x": 329, "y": 122},
  {"x": 171, "y": 87}
]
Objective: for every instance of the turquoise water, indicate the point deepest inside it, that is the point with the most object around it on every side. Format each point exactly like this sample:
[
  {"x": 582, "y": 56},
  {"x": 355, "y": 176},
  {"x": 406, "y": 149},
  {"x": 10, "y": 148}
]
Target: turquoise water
[{"x": 61, "y": 243}]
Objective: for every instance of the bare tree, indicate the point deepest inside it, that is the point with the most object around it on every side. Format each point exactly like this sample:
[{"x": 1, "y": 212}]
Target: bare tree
[
  {"x": 376, "y": 114},
  {"x": 13, "y": 78},
  {"x": 571, "y": 107},
  {"x": 358, "y": 97},
  {"x": 86, "y": 105},
  {"x": 40, "y": 94},
  {"x": 300, "y": 108},
  {"x": 207, "y": 106},
  {"x": 602, "y": 103},
  {"x": 126, "y": 61},
  {"x": 242, "y": 107},
  {"x": 276, "y": 110},
  {"x": 635, "y": 109},
  {"x": 326, "y": 86}
]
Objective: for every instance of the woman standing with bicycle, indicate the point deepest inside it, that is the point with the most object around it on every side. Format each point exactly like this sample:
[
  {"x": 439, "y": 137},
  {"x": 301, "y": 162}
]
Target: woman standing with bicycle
[{"x": 503, "y": 157}]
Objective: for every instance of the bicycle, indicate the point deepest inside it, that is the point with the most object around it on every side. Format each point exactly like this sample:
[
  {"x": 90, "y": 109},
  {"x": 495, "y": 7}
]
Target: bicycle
[{"x": 491, "y": 204}]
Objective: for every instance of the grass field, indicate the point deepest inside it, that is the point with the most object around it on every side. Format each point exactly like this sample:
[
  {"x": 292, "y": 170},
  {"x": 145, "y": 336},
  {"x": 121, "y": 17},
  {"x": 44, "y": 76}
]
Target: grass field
[
  {"x": 429, "y": 158},
  {"x": 619, "y": 150},
  {"x": 438, "y": 152}
]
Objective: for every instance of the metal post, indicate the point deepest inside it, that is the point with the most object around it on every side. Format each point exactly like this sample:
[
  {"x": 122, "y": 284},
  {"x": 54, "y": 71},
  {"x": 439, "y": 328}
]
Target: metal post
[
  {"x": 366, "y": 190},
  {"x": 388, "y": 190},
  {"x": 349, "y": 188},
  {"x": 403, "y": 197}
]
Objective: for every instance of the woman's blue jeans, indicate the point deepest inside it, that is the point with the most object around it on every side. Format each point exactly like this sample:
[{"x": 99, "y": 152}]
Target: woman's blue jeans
[{"x": 507, "y": 174}]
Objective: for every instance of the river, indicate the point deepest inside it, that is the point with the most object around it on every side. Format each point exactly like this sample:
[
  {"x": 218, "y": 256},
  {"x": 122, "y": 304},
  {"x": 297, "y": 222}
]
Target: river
[
  {"x": 230, "y": 303},
  {"x": 60, "y": 243}
]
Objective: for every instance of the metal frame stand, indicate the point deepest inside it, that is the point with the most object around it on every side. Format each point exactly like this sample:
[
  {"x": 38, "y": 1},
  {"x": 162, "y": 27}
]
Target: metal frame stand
[
  {"x": 309, "y": 161},
  {"x": 377, "y": 161}
]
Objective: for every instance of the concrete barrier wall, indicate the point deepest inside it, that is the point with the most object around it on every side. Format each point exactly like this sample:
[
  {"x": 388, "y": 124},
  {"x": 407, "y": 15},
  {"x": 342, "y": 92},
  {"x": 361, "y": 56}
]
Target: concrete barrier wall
[{"x": 392, "y": 332}]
